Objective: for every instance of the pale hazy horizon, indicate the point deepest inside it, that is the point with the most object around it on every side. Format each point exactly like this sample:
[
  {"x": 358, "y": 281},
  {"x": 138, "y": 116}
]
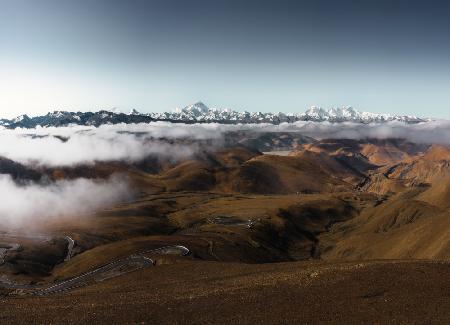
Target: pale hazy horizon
[{"x": 383, "y": 57}]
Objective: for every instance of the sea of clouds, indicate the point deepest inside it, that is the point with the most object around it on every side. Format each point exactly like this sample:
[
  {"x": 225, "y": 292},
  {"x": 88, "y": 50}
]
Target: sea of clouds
[
  {"x": 133, "y": 142},
  {"x": 75, "y": 145},
  {"x": 81, "y": 145}
]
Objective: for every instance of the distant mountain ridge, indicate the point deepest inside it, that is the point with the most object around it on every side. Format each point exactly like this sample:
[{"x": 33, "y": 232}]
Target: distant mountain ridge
[{"x": 200, "y": 113}]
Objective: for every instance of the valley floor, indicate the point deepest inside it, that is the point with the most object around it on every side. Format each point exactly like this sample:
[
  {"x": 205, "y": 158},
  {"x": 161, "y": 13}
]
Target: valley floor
[{"x": 188, "y": 292}]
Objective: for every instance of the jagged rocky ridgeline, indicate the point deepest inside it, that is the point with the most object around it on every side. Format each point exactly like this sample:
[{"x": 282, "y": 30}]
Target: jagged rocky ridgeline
[{"x": 200, "y": 113}]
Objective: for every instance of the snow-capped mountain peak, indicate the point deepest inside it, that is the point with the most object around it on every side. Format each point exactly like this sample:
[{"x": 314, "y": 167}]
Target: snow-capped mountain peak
[
  {"x": 316, "y": 112},
  {"x": 335, "y": 114},
  {"x": 200, "y": 113},
  {"x": 134, "y": 112},
  {"x": 21, "y": 118},
  {"x": 196, "y": 109}
]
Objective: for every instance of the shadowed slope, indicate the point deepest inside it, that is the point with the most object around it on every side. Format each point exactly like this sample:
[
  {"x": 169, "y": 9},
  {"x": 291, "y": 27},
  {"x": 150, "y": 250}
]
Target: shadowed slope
[
  {"x": 224, "y": 293},
  {"x": 401, "y": 227}
]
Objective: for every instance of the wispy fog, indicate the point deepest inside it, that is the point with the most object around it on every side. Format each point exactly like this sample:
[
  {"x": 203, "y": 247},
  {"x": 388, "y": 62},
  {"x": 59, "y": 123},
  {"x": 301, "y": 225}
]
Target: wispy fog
[
  {"x": 83, "y": 145},
  {"x": 437, "y": 131},
  {"x": 67, "y": 146},
  {"x": 34, "y": 204}
]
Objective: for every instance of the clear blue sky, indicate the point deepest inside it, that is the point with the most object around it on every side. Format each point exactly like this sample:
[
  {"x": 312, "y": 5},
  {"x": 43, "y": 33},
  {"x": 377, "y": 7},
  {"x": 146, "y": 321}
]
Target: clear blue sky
[{"x": 381, "y": 56}]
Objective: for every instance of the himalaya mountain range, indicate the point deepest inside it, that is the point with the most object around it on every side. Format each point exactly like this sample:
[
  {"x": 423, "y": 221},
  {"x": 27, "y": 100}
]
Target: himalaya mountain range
[{"x": 200, "y": 113}]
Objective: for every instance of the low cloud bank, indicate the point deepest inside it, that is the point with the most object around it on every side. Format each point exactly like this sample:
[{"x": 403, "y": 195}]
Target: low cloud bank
[
  {"x": 434, "y": 131},
  {"x": 33, "y": 204},
  {"x": 67, "y": 146},
  {"x": 437, "y": 131}
]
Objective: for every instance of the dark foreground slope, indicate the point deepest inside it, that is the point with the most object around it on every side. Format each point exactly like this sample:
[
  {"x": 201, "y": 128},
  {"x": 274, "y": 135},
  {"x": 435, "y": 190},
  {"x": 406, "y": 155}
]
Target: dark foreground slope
[{"x": 401, "y": 292}]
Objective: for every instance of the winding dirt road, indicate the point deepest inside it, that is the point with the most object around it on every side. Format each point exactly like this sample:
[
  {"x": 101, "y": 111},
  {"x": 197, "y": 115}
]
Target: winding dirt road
[
  {"x": 111, "y": 270},
  {"x": 116, "y": 268}
]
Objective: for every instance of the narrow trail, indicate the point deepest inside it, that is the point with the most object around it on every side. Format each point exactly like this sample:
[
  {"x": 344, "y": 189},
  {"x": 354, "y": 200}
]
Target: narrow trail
[
  {"x": 7, "y": 243},
  {"x": 5, "y": 248},
  {"x": 211, "y": 248},
  {"x": 70, "y": 245}
]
